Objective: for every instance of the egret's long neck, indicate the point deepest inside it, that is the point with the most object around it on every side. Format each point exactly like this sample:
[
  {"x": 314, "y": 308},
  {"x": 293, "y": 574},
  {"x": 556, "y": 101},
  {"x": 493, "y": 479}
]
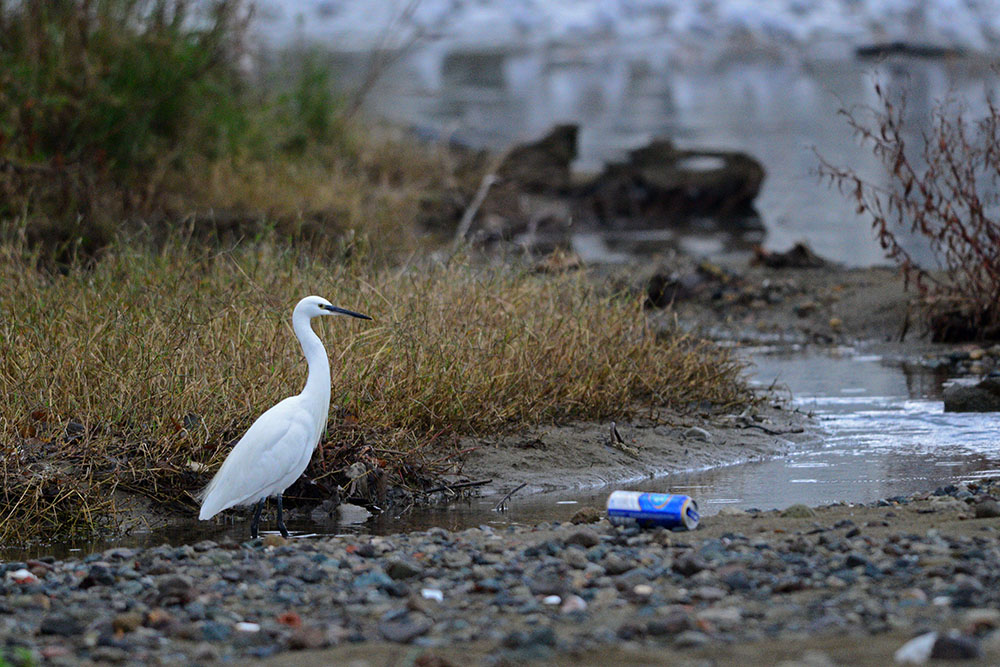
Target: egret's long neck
[{"x": 318, "y": 383}]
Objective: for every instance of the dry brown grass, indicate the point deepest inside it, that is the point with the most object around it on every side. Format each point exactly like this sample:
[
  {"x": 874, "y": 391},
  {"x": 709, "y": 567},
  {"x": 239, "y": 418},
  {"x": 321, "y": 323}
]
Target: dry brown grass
[
  {"x": 139, "y": 373},
  {"x": 375, "y": 190}
]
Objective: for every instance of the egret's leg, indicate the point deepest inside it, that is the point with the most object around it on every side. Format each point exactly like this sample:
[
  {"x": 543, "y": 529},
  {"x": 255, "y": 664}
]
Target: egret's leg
[
  {"x": 281, "y": 520},
  {"x": 256, "y": 519}
]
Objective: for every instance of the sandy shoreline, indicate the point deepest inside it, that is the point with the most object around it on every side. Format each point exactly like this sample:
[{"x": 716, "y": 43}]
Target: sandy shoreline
[{"x": 583, "y": 456}]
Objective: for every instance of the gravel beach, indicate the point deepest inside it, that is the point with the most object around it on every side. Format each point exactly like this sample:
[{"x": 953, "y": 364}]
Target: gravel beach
[{"x": 839, "y": 584}]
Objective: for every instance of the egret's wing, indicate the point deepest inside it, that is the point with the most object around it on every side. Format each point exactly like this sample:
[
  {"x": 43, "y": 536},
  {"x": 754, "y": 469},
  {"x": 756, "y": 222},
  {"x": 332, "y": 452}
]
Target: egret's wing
[{"x": 271, "y": 449}]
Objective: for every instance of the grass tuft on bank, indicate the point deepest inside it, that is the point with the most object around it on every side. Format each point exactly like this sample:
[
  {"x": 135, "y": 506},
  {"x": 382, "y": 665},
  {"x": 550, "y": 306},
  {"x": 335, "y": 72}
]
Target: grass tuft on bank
[{"x": 138, "y": 374}]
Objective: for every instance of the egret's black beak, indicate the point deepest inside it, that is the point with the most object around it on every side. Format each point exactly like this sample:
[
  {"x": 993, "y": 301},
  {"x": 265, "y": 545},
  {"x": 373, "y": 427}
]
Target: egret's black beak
[{"x": 344, "y": 311}]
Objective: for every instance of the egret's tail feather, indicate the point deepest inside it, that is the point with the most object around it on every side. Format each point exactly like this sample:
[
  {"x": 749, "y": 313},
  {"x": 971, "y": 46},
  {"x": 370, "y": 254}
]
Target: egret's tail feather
[{"x": 209, "y": 505}]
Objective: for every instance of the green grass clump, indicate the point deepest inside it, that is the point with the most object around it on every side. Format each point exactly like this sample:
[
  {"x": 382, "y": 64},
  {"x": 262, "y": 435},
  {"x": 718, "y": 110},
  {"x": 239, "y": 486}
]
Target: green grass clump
[
  {"x": 138, "y": 373},
  {"x": 101, "y": 101},
  {"x": 141, "y": 117},
  {"x": 119, "y": 82}
]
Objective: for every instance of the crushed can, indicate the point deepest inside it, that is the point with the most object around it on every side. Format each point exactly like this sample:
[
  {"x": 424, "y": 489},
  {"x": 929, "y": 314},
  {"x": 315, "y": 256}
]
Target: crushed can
[{"x": 665, "y": 510}]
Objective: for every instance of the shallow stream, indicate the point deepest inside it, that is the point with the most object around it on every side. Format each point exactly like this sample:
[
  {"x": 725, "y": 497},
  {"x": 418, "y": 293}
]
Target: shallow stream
[{"x": 884, "y": 434}]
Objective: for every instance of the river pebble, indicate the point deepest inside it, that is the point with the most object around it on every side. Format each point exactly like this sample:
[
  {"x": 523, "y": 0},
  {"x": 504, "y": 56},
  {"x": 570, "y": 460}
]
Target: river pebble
[{"x": 528, "y": 591}]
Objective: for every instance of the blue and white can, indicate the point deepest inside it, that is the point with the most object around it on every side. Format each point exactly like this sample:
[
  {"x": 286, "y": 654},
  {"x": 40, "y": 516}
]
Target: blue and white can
[{"x": 667, "y": 510}]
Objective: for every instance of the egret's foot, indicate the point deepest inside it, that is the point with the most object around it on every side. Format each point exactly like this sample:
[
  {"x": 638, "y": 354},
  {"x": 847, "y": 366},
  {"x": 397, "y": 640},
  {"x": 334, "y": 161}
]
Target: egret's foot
[
  {"x": 255, "y": 524},
  {"x": 281, "y": 520}
]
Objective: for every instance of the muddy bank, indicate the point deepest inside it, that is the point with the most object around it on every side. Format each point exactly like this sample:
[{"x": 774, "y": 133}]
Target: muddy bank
[
  {"x": 742, "y": 303},
  {"x": 754, "y": 305},
  {"x": 588, "y": 455},
  {"x": 738, "y": 301}
]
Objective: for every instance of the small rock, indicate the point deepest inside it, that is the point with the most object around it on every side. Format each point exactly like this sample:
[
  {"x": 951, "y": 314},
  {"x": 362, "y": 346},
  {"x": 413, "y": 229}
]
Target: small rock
[
  {"x": 372, "y": 579},
  {"x": 158, "y": 619},
  {"x": 55, "y": 651},
  {"x": 798, "y": 511},
  {"x": 213, "y": 631},
  {"x": 855, "y": 559},
  {"x": 721, "y": 617},
  {"x": 836, "y": 323},
  {"x": 585, "y": 538},
  {"x": 546, "y": 582},
  {"x": 60, "y": 625},
  {"x": 274, "y": 541},
  {"x": 205, "y": 545},
  {"x": 943, "y": 503},
  {"x": 126, "y": 622},
  {"x": 174, "y": 590},
  {"x": 205, "y": 652},
  {"x": 108, "y": 654},
  {"x": 987, "y": 509},
  {"x": 576, "y": 558},
  {"x": 953, "y": 646},
  {"x": 630, "y": 630},
  {"x": 672, "y": 624},
  {"x": 698, "y": 433},
  {"x": 615, "y": 564},
  {"x": 457, "y": 559},
  {"x": 307, "y": 637},
  {"x": 352, "y": 514},
  {"x": 737, "y": 580},
  {"x": 689, "y": 565},
  {"x": 573, "y": 603},
  {"x": 730, "y": 510},
  {"x": 983, "y": 397},
  {"x": 799, "y": 256},
  {"x": 586, "y": 515},
  {"x": 544, "y": 636},
  {"x": 642, "y": 590},
  {"x": 403, "y": 628},
  {"x": 914, "y": 594},
  {"x": 399, "y": 568},
  {"x": 708, "y": 593},
  {"x": 806, "y": 308},
  {"x": 976, "y": 621},
  {"x": 691, "y": 639},
  {"x": 98, "y": 575}
]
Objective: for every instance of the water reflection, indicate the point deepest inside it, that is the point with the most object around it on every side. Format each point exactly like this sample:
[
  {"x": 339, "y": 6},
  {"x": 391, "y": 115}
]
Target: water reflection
[{"x": 783, "y": 111}]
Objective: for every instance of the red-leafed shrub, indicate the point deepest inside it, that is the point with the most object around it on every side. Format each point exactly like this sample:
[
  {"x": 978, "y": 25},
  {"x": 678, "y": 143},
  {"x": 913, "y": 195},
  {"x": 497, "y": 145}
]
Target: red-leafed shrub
[{"x": 945, "y": 191}]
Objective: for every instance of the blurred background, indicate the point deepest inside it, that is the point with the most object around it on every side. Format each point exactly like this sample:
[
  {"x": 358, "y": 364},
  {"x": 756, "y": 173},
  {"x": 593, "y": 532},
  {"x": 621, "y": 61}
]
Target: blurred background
[{"x": 766, "y": 77}]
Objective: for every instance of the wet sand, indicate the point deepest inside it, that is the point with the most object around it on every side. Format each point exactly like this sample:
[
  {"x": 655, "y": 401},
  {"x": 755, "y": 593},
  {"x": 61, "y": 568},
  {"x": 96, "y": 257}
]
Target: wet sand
[{"x": 585, "y": 455}]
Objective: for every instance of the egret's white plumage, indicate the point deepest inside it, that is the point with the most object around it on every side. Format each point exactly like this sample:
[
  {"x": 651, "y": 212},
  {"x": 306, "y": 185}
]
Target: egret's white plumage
[{"x": 276, "y": 449}]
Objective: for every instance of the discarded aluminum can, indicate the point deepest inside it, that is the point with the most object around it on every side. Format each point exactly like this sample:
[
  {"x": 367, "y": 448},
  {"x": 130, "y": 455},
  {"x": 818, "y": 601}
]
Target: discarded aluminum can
[{"x": 666, "y": 510}]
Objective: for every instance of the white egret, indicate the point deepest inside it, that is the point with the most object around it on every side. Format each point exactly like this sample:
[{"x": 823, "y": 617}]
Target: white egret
[{"x": 276, "y": 449}]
